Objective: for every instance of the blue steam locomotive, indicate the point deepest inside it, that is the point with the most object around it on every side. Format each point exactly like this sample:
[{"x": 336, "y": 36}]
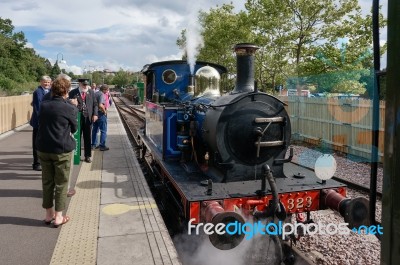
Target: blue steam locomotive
[{"x": 222, "y": 158}]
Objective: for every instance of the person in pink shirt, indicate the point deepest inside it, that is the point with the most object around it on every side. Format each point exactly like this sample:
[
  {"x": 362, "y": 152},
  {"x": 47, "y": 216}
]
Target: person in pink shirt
[{"x": 107, "y": 99}]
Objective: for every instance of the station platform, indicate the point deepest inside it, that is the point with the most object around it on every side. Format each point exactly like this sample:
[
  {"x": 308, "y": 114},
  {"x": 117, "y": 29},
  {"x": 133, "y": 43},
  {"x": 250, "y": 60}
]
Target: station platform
[{"x": 114, "y": 217}]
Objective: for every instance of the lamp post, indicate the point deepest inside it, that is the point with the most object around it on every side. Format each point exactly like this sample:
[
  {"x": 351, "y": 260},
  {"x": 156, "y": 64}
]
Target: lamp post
[{"x": 61, "y": 61}]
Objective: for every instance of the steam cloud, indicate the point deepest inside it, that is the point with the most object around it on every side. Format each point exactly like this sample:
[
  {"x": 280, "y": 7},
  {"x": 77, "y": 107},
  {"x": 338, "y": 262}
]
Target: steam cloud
[
  {"x": 198, "y": 250},
  {"x": 194, "y": 40}
]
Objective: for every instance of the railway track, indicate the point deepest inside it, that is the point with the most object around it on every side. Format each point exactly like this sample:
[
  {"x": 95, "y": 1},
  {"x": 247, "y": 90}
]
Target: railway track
[
  {"x": 133, "y": 117},
  {"x": 357, "y": 187},
  {"x": 126, "y": 106}
]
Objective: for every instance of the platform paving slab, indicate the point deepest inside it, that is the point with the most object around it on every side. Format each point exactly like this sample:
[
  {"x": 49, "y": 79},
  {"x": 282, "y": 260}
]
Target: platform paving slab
[
  {"x": 114, "y": 217},
  {"x": 130, "y": 218},
  {"x": 25, "y": 239}
]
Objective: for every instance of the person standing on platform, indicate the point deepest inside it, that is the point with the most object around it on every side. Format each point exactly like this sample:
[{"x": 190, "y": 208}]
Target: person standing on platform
[
  {"x": 71, "y": 191},
  {"x": 88, "y": 108},
  {"x": 94, "y": 87},
  {"x": 101, "y": 122},
  {"x": 55, "y": 143},
  {"x": 38, "y": 94},
  {"x": 107, "y": 98}
]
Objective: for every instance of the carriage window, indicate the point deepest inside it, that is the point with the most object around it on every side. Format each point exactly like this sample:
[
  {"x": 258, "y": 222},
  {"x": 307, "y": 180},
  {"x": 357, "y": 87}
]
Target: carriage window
[{"x": 169, "y": 76}]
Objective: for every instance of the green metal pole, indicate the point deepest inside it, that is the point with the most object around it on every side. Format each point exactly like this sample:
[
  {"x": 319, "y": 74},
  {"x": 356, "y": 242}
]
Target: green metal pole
[{"x": 77, "y": 136}]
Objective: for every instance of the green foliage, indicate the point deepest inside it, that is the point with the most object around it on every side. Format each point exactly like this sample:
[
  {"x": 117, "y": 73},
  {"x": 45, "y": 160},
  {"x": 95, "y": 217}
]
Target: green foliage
[
  {"x": 72, "y": 75},
  {"x": 55, "y": 71},
  {"x": 20, "y": 67},
  {"x": 322, "y": 44},
  {"x": 16, "y": 87},
  {"x": 349, "y": 87},
  {"x": 97, "y": 77},
  {"x": 122, "y": 78},
  {"x": 108, "y": 79},
  {"x": 222, "y": 29}
]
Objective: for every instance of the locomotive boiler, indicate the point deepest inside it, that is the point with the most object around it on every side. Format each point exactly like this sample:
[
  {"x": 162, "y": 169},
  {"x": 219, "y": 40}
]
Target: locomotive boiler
[
  {"x": 222, "y": 157},
  {"x": 245, "y": 129}
]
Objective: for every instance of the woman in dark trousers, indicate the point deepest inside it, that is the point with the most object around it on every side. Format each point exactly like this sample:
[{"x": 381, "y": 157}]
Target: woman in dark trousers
[
  {"x": 38, "y": 95},
  {"x": 55, "y": 143}
]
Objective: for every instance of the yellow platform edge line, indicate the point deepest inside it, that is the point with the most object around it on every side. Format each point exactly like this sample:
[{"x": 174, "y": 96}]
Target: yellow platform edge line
[{"x": 77, "y": 241}]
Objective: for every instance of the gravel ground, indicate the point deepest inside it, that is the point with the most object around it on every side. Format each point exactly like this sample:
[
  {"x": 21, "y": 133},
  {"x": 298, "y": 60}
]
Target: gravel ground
[
  {"x": 358, "y": 172},
  {"x": 350, "y": 249}
]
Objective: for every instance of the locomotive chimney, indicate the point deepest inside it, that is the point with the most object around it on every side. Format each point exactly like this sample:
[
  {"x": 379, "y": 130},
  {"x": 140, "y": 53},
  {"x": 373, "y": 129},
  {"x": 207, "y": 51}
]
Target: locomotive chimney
[{"x": 245, "y": 67}]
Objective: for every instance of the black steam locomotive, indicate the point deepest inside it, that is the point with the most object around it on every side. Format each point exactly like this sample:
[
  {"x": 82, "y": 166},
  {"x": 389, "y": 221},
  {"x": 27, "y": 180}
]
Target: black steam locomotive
[{"x": 222, "y": 158}]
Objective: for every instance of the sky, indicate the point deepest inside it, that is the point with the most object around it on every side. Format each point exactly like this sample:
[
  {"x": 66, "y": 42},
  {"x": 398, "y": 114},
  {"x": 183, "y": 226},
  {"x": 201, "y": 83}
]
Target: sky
[{"x": 110, "y": 34}]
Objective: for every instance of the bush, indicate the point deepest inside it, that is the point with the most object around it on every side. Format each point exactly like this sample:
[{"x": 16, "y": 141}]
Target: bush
[{"x": 10, "y": 87}]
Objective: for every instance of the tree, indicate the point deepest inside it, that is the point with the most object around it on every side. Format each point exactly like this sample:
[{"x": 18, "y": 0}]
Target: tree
[
  {"x": 20, "y": 67},
  {"x": 55, "y": 71},
  {"x": 320, "y": 44},
  {"x": 221, "y": 30},
  {"x": 122, "y": 78},
  {"x": 108, "y": 79},
  {"x": 97, "y": 77},
  {"x": 137, "y": 77},
  {"x": 72, "y": 75},
  {"x": 268, "y": 21},
  {"x": 349, "y": 87},
  {"x": 296, "y": 33}
]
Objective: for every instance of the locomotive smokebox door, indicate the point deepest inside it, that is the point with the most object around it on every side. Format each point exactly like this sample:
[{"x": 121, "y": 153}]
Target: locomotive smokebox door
[{"x": 259, "y": 133}]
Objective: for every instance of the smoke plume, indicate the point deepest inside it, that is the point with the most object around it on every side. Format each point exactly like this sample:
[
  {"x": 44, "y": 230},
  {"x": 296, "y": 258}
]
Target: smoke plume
[{"x": 194, "y": 40}]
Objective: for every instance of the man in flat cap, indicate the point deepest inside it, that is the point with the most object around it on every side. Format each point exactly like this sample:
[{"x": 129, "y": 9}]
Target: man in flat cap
[{"x": 88, "y": 107}]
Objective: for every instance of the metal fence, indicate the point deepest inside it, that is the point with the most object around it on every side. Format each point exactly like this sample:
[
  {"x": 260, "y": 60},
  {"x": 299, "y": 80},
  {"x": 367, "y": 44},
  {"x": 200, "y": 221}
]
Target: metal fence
[{"x": 340, "y": 124}]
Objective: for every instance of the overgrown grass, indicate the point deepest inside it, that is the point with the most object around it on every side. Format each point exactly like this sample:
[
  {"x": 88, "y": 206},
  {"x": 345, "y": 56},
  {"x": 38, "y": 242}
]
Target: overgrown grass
[{"x": 13, "y": 88}]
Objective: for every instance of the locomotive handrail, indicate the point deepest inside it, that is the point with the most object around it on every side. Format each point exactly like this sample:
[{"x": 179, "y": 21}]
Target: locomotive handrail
[
  {"x": 269, "y": 143},
  {"x": 273, "y": 119},
  {"x": 285, "y": 160},
  {"x": 260, "y": 133}
]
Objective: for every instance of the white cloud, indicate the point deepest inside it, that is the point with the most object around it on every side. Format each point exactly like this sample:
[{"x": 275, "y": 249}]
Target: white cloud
[
  {"x": 25, "y": 5},
  {"x": 112, "y": 33},
  {"x": 29, "y": 45}
]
